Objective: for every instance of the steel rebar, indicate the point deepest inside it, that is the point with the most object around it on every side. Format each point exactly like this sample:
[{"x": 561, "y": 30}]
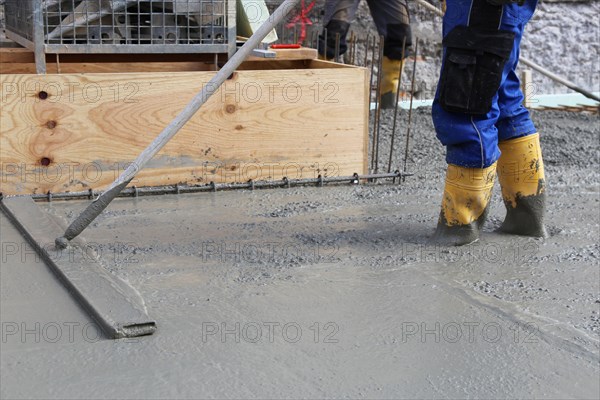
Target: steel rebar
[
  {"x": 377, "y": 124},
  {"x": 350, "y": 54},
  {"x": 412, "y": 95},
  {"x": 325, "y": 44},
  {"x": 367, "y": 41},
  {"x": 396, "y": 105},
  {"x": 212, "y": 187},
  {"x": 371, "y": 92}
]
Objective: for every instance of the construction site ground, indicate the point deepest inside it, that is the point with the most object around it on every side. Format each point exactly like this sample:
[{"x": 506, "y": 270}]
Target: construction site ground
[{"x": 325, "y": 292}]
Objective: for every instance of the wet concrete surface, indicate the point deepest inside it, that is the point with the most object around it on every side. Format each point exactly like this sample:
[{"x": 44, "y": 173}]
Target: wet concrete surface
[{"x": 326, "y": 292}]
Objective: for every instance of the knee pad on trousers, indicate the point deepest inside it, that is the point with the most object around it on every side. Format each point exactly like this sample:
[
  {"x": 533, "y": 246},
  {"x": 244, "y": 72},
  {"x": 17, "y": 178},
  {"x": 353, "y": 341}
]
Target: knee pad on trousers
[
  {"x": 327, "y": 42},
  {"x": 396, "y": 33}
]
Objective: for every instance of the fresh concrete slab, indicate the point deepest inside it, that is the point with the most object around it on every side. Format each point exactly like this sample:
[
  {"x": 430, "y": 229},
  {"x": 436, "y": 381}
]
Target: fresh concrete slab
[{"x": 335, "y": 292}]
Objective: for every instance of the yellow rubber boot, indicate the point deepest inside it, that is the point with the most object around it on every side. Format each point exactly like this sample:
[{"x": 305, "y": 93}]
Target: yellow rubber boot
[
  {"x": 521, "y": 177},
  {"x": 465, "y": 203},
  {"x": 389, "y": 82}
]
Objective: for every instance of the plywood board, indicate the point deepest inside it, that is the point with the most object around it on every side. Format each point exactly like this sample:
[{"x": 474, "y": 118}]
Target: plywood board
[
  {"x": 263, "y": 124},
  {"x": 21, "y": 61}
]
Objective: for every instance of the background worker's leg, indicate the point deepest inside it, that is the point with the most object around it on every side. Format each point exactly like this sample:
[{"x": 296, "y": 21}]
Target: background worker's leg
[
  {"x": 336, "y": 21},
  {"x": 392, "y": 20},
  {"x": 393, "y": 23}
]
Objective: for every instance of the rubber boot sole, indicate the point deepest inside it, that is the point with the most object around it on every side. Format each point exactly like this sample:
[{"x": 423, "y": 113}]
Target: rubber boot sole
[
  {"x": 527, "y": 218},
  {"x": 457, "y": 235}
]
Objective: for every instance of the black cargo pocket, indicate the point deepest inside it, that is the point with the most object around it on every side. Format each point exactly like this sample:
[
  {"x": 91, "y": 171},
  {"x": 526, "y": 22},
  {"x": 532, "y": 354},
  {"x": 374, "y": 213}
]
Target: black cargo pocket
[
  {"x": 473, "y": 67},
  {"x": 457, "y": 80},
  {"x": 488, "y": 78}
]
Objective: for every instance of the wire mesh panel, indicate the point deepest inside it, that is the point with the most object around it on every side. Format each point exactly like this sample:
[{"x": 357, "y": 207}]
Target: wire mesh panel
[
  {"x": 19, "y": 18},
  {"x": 123, "y": 26}
]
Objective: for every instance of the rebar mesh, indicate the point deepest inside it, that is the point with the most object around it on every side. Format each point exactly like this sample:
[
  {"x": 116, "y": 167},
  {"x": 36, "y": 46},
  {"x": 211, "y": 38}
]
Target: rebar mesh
[{"x": 71, "y": 25}]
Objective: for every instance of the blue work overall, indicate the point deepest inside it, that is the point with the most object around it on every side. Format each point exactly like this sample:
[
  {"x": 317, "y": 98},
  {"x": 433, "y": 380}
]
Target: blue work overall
[{"x": 471, "y": 139}]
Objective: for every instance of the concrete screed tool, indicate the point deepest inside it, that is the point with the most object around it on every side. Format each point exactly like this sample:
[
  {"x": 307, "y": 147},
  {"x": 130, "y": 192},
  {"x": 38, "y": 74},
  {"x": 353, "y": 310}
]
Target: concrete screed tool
[{"x": 115, "y": 306}]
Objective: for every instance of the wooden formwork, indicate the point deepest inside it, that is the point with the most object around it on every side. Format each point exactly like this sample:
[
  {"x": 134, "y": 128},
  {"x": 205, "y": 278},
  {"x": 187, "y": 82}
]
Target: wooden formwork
[{"x": 79, "y": 126}]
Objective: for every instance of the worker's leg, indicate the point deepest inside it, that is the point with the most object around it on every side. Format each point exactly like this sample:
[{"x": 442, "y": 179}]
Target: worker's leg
[
  {"x": 336, "y": 21},
  {"x": 520, "y": 167},
  {"x": 513, "y": 120},
  {"x": 392, "y": 20},
  {"x": 466, "y": 107}
]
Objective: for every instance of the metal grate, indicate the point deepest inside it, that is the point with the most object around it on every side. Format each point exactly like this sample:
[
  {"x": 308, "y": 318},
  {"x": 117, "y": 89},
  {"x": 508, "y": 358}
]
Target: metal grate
[
  {"x": 18, "y": 17},
  {"x": 122, "y": 26}
]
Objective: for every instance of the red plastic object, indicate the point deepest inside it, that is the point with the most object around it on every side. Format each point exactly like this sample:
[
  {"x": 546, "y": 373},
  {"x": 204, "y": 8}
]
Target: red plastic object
[
  {"x": 303, "y": 19},
  {"x": 285, "y": 46}
]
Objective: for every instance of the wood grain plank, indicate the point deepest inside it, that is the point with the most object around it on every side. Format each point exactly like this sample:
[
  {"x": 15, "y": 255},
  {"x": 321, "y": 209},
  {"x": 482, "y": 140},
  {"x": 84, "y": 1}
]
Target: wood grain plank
[
  {"x": 260, "y": 125},
  {"x": 16, "y": 55},
  {"x": 105, "y": 67}
]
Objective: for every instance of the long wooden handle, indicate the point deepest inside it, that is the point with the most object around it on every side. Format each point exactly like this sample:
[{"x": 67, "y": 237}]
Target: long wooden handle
[{"x": 97, "y": 206}]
